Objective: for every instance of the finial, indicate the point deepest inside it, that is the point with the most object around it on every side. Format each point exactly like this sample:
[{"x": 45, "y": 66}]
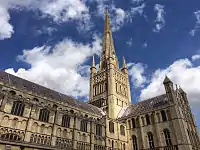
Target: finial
[
  {"x": 93, "y": 61},
  {"x": 124, "y": 63}
]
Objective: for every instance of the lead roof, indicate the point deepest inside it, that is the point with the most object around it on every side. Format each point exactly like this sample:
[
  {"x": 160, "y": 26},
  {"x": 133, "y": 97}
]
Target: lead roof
[{"x": 29, "y": 86}]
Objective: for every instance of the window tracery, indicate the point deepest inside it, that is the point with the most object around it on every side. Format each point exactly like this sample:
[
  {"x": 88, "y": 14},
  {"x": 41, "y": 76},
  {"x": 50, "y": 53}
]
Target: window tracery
[
  {"x": 66, "y": 121},
  {"x": 18, "y": 108},
  {"x": 83, "y": 126},
  {"x": 44, "y": 115},
  {"x": 167, "y": 137},
  {"x": 150, "y": 140}
]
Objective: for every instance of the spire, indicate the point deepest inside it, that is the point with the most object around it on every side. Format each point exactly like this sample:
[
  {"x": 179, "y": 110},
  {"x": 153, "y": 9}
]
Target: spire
[
  {"x": 124, "y": 63},
  {"x": 167, "y": 80},
  {"x": 107, "y": 22},
  {"x": 93, "y": 62},
  {"x": 108, "y": 49}
]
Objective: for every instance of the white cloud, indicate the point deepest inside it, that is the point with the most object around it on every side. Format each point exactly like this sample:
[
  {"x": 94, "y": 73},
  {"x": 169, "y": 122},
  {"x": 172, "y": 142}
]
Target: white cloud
[
  {"x": 138, "y": 10},
  {"x": 50, "y": 66},
  {"x": 137, "y": 1},
  {"x": 145, "y": 45},
  {"x": 197, "y": 25},
  {"x": 129, "y": 42},
  {"x": 196, "y": 57},
  {"x": 119, "y": 16},
  {"x": 181, "y": 72},
  {"x": 6, "y": 29},
  {"x": 59, "y": 11},
  {"x": 160, "y": 21},
  {"x": 136, "y": 73}
]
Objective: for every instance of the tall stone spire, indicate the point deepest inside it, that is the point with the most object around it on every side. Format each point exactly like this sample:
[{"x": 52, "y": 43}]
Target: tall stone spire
[{"x": 108, "y": 49}]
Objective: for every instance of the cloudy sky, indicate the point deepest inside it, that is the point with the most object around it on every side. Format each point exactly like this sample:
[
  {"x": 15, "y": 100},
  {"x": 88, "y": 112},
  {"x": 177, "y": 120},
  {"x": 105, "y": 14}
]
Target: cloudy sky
[{"x": 51, "y": 42}]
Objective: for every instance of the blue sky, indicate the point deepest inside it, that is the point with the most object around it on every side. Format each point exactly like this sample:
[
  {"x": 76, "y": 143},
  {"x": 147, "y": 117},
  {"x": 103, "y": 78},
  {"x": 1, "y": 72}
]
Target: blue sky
[{"x": 51, "y": 43}]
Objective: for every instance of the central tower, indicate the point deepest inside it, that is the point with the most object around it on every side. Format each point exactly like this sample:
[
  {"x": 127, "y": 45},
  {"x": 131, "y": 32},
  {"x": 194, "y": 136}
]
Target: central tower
[{"x": 109, "y": 85}]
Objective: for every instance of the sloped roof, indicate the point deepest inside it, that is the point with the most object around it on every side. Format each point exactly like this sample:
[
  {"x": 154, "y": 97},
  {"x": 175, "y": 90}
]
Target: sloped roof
[
  {"x": 23, "y": 84},
  {"x": 142, "y": 107}
]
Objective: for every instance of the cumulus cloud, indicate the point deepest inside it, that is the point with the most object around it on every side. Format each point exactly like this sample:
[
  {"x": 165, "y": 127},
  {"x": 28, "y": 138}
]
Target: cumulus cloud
[
  {"x": 137, "y": 74},
  {"x": 6, "y": 29},
  {"x": 160, "y": 21},
  {"x": 50, "y": 66},
  {"x": 181, "y": 72},
  {"x": 196, "y": 57},
  {"x": 59, "y": 11},
  {"x": 197, "y": 24}
]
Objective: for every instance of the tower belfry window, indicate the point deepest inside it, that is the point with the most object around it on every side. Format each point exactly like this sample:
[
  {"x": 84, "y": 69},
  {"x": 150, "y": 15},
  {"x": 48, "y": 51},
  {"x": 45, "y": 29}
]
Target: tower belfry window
[
  {"x": 111, "y": 127},
  {"x": 167, "y": 137}
]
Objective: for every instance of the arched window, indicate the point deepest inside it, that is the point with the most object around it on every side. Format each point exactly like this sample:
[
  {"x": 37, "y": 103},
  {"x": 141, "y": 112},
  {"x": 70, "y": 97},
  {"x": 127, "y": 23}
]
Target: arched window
[
  {"x": 150, "y": 138},
  {"x": 129, "y": 124},
  {"x": 66, "y": 121},
  {"x": 98, "y": 129},
  {"x": 112, "y": 144},
  {"x": 137, "y": 122},
  {"x": 18, "y": 108},
  {"x": 163, "y": 114},
  {"x": 122, "y": 130},
  {"x": 167, "y": 137},
  {"x": 147, "y": 119},
  {"x": 152, "y": 119},
  {"x": 133, "y": 123},
  {"x": 124, "y": 146},
  {"x": 111, "y": 127},
  {"x": 83, "y": 126},
  {"x": 134, "y": 138},
  {"x": 44, "y": 115},
  {"x": 10, "y": 137}
]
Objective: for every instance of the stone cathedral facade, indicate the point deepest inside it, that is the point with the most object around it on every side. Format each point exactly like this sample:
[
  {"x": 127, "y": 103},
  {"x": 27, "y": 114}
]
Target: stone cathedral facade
[{"x": 33, "y": 117}]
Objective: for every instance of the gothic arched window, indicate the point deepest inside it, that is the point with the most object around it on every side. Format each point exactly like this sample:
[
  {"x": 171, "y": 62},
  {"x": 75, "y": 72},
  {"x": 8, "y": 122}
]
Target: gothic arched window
[
  {"x": 18, "y": 108},
  {"x": 147, "y": 119},
  {"x": 134, "y": 138},
  {"x": 66, "y": 121},
  {"x": 167, "y": 137},
  {"x": 44, "y": 115},
  {"x": 163, "y": 114},
  {"x": 111, "y": 127},
  {"x": 150, "y": 138},
  {"x": 83, "y": 126},
  {"x": 133, "y": 123},
  {"x": 122, "y": 130},
  {"x": 98, "y": 129}
]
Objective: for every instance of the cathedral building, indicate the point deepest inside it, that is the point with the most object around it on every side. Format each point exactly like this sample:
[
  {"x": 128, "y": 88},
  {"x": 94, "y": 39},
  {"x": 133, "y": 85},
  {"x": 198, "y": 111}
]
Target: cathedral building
[{"x": 33, "y": 117}]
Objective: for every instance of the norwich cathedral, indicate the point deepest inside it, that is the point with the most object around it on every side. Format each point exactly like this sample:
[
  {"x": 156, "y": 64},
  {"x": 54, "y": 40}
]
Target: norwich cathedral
[{"x": 33, "y": 117}]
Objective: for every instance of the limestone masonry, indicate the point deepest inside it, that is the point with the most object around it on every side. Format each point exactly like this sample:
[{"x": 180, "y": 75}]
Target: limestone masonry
[{"x": 33, "y": 117}]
